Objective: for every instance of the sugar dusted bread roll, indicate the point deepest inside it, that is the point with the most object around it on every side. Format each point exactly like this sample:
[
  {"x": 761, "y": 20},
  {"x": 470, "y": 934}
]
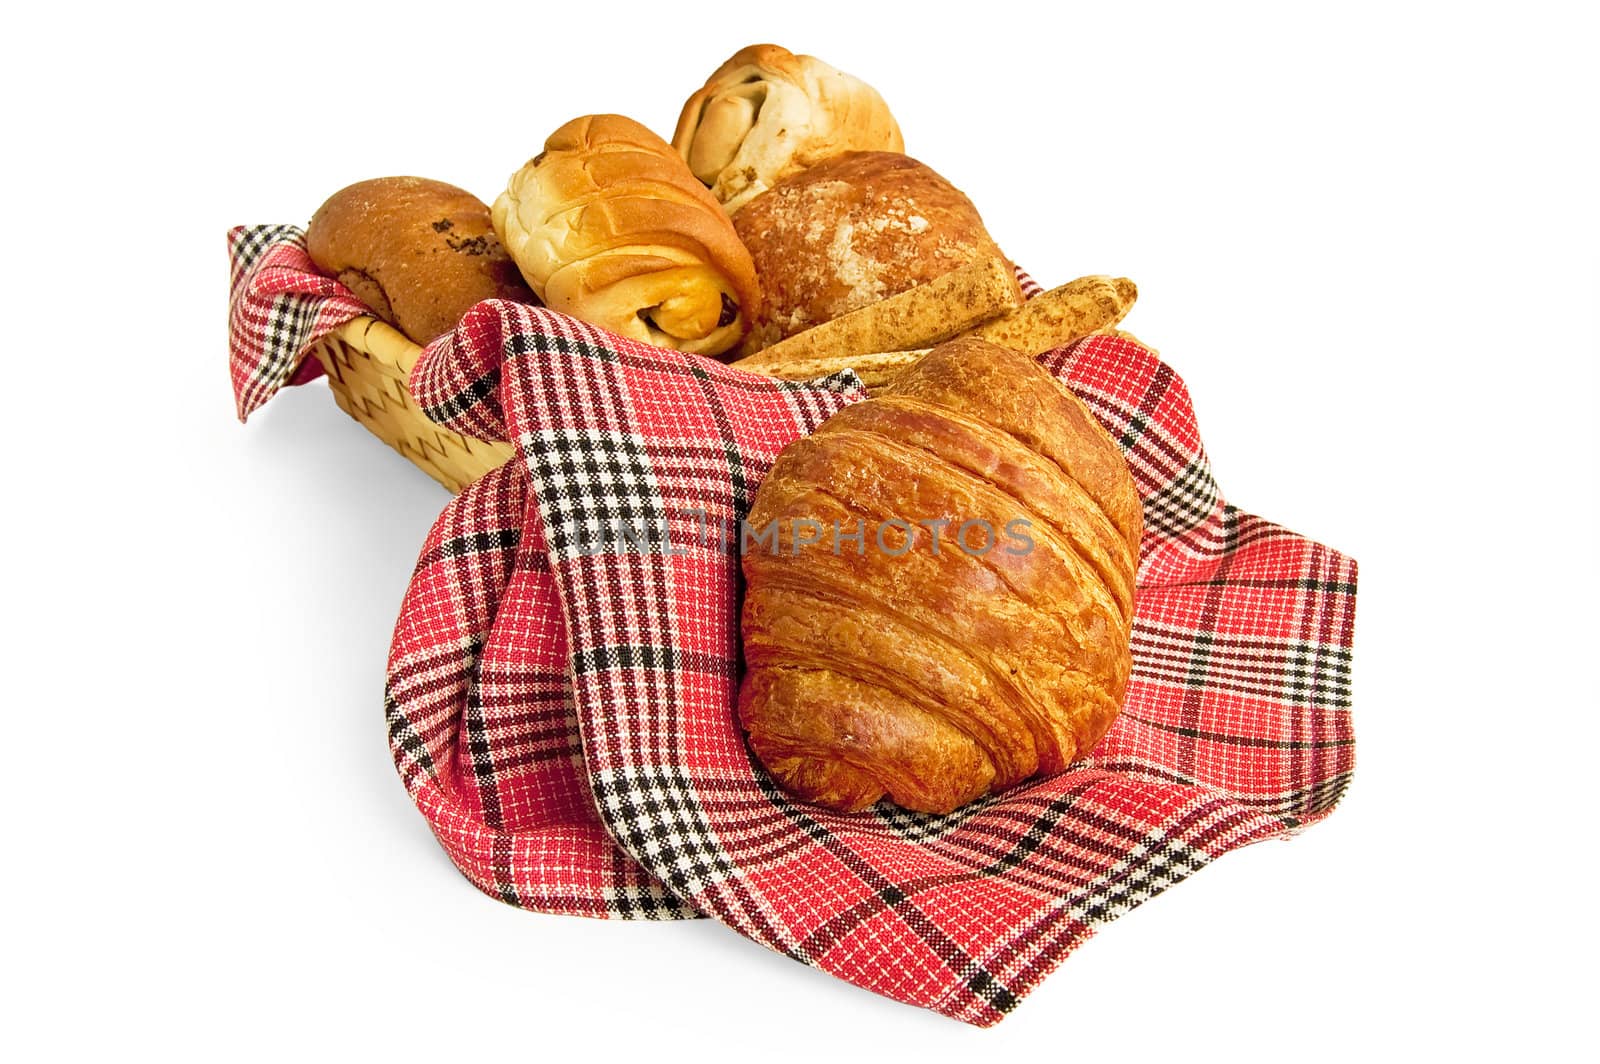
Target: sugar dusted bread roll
[
  {"x": 931, "y": 676},
  {"x": 418, "y": 252},
  {"x": 767, "y": 113},
  {"x": 607, "y": 224},
  {"x": 851, "y": 231}
]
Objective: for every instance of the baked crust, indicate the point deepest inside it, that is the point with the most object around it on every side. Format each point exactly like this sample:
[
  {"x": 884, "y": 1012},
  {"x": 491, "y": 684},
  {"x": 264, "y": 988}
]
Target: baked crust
[
  {"x": 767, "y": 113},
  {"x": 419, "y": 253},
  {"x": 932, "y": 678},
  {"x": 917, "y": 318},
  {"x": 850, "y": 231},
  {"x": 608, "y": 225}
]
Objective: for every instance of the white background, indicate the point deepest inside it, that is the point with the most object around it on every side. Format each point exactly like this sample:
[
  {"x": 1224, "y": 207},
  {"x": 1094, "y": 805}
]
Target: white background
[{"x": 1366, "y": 239}]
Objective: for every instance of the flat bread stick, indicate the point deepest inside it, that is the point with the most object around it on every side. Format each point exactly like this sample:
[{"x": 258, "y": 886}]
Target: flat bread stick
[
  {"x": 916, "y": 318},
  {"x": 875, "y": 370},
  {"x": 1058, "y": 317}
]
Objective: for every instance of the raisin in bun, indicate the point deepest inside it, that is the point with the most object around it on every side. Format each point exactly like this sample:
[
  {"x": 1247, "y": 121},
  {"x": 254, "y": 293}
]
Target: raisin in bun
[
  {"x": 850, "y": 231},
  {"x": 418, "y": 252}
]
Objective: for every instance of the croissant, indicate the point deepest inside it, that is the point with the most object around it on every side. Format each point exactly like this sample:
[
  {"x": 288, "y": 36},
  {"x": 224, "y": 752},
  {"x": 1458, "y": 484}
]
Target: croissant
[
  {"x": 767, "y": 113},
  {"x": 939, "y": 588},
  {"x": 607, "y": 224}
]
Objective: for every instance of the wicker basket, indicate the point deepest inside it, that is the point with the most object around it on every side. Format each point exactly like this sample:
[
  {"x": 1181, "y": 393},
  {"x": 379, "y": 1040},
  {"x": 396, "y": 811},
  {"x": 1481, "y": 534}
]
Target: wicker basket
[{"x": 369, "y": 364}]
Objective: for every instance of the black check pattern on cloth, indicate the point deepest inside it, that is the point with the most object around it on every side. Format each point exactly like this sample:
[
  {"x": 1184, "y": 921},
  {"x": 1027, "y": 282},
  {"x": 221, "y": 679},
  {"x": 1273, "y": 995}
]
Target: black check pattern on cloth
[
  {"x": 651, "y": 815},
  {"x": 482, "y": 725},
  {"x": 278, "y": 306},
  {"x": 1186, "y": 501},
  {"x": 247, "y": 244},
  {"x": 564, "y": 719},
  {"x": 1291, "y": 671},
  {"x": 511, "y": 804},
  {"x": 600, "y": 489},
  {"x": 1236, "y": 727}
]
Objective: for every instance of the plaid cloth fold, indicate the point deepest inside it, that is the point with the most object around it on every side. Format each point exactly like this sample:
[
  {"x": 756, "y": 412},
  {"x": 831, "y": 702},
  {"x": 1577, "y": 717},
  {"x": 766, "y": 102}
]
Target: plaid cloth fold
[
  {"x": 278, "y": 305},
  {"x": 560, "y": 701}
]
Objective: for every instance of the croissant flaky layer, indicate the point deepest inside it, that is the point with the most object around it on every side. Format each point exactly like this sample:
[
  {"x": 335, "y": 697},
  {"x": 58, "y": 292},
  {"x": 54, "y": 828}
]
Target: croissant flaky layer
[
  {"x": 607, "y": 224},
  {"x": 767, "y": 113},
  {"x": 964, "y": 621}
]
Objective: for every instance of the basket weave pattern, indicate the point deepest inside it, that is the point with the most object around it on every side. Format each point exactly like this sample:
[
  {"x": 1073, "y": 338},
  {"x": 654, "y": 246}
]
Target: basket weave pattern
[{"x": 369, "y": 367}]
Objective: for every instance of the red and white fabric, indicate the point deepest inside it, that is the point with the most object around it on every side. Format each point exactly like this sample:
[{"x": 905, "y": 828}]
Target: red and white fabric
[{"x": 561, "y": 703}]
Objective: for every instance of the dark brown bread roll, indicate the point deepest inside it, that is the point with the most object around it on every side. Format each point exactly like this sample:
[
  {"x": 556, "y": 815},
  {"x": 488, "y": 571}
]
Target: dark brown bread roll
[
  {"x": 850, "y": 231},
  {"x": 935, "y": 675},
  {"x": 418, "y": 252}
]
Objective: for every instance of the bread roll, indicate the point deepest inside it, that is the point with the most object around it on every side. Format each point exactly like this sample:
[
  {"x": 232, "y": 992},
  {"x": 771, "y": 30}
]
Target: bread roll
[
  {"x": 608, "y": 225},
  {"x": 933, "y": 671},
  {"x": 767, "y": 113},
  {"x": 418, "y": 252},
  {"x": 851, "y": 231}
]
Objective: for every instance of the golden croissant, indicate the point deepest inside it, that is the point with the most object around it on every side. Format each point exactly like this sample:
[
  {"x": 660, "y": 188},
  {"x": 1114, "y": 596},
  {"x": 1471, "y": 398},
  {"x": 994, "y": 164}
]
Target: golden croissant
[
  {"x": 767, "y": 113},
  {"x": 939, "y": 588},
  {"x": 607, "y": 224}
]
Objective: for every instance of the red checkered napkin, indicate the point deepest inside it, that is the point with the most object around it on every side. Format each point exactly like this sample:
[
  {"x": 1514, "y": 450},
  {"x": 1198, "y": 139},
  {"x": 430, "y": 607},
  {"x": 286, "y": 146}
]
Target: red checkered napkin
[
  {"x": 564, "y": 717},
  {"x": 277, "y": 306},
  {"x": 561, "y": 701}
]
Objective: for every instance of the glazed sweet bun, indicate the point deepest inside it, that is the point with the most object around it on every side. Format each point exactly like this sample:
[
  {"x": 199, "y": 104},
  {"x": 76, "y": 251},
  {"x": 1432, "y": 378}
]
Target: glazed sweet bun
[
  {"x": 419, "y": 253},
  {"x": 850, "y": 231},
  {"x": 608, "y": 225}
]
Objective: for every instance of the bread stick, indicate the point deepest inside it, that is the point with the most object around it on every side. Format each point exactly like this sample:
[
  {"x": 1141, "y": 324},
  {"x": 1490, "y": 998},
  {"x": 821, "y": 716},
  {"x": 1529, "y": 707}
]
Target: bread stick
[
  {"x": 916, "y": 318},
  {"x": 1051, "y": 319},
  {"x": 875, "y": 370},
  {"x": 1061, "y": 315}
]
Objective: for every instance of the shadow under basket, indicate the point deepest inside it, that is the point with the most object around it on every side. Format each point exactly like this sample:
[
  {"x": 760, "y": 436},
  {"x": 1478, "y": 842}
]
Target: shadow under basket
[{"x": 369, "y": 367}]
